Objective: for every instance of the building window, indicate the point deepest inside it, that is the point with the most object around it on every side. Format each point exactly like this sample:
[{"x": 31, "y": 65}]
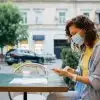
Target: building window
[
  {"x": 24, "y": 44},
  {"x": 24, "y": 17},
  {"x": 86, "y": 14},
  {"x": 38, "y": 47},
  {"x": 38, "y": 16},
  {"x": 61, "y": 16},
  {"x": 97, "y": 18}
]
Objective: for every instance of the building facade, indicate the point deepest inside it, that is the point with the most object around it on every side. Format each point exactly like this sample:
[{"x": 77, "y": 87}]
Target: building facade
[{"x": 47, "y": 18}]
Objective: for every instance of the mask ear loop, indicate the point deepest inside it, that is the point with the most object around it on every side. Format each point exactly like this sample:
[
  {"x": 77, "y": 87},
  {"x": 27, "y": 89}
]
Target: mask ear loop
[{"x": 74, "y": 45}]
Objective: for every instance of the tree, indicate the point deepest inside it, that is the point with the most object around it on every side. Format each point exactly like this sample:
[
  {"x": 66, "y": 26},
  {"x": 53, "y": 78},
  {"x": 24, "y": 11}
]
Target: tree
[
  {"x": 22, "y": 33},
  {"x": 11, "y": 30}
]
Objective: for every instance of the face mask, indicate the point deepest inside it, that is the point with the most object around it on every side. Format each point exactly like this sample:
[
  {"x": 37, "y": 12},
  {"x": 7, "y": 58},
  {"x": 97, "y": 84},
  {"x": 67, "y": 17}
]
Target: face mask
[{"x": 77, "y": 39}]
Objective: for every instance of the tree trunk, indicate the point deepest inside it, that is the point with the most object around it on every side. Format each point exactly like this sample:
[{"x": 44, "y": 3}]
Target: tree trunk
[
  {"x": 1, "y": 55},
  {"x": 1, "y": 50}
]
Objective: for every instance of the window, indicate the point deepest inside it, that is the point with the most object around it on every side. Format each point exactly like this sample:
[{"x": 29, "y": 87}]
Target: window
[
  {"x": 24, "y": 17},
  {"x": 86, "y": 11},
  {"x": 38, "y": 13},
  {"x": 61, "y": 16},
  {"x": 38, "y": 47},
  {"x": 97, "y": 18},
  {"x": 86, "y": 14}
]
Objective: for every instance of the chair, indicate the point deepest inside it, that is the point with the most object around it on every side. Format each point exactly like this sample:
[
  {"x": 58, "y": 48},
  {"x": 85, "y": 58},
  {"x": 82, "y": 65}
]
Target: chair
[
  {"x": 37, "y": 70},
  {"x": 70, "y": 95}
]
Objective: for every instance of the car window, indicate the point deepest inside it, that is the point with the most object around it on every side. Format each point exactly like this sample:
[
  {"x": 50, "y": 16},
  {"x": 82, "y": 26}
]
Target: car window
[
  {"x": 22, "y": 51},
  {"x": 26, "y": 51},
  {"x": 10, "y": 50},
  {"x": 32, "y": 53}
]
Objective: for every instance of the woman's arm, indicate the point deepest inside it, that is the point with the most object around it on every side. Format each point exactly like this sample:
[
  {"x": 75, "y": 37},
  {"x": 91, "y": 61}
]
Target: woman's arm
[
  {"x": 72, "y": 76},
  {"x": 82, "y": 79},
  {"x": 79, "y": 78}
]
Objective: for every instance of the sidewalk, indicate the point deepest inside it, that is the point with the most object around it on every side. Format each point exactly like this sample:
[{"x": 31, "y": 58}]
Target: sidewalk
[{"x": 4, "y": 68}]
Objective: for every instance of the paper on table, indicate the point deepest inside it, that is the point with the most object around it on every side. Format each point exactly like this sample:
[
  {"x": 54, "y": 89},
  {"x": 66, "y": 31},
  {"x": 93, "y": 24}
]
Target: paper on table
[{"x": 29, "y": 80}]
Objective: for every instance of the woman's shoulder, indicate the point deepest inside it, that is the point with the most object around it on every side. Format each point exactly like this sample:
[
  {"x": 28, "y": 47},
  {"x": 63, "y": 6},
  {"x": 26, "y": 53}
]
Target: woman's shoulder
[
  {"x": 95, "y": 57},
  {"x": 97, "y": 45},
  {"x": 96, "y": 50}
]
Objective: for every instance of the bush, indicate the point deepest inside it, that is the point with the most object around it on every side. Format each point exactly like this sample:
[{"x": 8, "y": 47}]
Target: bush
[{"x": 71, "y": 59}]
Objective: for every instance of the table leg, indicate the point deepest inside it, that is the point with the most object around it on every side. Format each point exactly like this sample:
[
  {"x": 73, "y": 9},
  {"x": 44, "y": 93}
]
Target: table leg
[{"x": 25, "y": 96}]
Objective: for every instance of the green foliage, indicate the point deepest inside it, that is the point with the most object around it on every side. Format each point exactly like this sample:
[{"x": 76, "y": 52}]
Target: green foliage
[
  {"x": 69, "y": 59},
  {"x": 22, "y": 32},
  {"x": 11, "y": 29}
]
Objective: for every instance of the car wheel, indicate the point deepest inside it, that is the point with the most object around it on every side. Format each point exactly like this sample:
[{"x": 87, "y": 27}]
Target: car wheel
[
  {"x": 9, "y": 63},
  {"x": 20, "y": 60}
]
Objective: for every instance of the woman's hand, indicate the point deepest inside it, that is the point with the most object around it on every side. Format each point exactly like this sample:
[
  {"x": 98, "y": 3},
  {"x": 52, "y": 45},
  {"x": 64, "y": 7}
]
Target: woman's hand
[
  {"x": 62, "y": 72},
  {"x": 69, "y": 69}
]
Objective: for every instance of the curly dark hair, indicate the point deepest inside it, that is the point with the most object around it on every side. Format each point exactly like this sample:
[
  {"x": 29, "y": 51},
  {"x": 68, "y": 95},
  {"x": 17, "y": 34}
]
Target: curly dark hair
[
  {"x": 85, "y": 24},
  {"x": 90, "y": 37}
]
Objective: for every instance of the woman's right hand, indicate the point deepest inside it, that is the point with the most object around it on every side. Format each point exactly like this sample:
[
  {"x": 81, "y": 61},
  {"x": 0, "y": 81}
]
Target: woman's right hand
[{"x": 69, "y": 69}]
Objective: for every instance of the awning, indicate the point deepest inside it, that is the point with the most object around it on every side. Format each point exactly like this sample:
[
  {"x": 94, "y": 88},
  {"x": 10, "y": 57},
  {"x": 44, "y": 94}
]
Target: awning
[{"x": 38, "y": 37}]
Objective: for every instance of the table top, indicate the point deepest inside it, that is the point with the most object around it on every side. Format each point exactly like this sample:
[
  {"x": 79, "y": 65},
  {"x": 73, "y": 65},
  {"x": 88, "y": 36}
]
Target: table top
[{"x": 55, "y": 84}]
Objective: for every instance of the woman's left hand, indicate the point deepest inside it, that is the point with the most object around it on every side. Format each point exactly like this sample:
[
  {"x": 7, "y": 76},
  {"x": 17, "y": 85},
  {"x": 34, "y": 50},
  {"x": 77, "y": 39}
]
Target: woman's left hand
[{"x": 62, "y": 72}]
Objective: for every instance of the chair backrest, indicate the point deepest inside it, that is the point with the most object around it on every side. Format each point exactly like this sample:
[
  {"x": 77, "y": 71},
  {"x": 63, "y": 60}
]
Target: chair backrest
[{"x": 33, "y": 68}]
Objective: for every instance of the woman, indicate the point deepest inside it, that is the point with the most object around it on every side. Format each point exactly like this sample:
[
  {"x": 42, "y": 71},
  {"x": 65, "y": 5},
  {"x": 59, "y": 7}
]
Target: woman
[{"x": 84, "y": 36}]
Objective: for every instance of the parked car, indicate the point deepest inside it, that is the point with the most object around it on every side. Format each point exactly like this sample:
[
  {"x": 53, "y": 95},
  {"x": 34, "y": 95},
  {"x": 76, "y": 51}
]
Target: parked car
[{"x": 22, "y": 55}]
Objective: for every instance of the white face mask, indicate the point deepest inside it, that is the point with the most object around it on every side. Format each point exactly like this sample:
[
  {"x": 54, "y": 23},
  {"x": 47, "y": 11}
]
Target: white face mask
[{"x": 77, "y": 39}]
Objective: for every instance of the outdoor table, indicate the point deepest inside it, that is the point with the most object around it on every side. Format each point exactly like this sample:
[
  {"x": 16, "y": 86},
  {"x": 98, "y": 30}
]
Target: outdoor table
[{"x": 55, "y": 84}]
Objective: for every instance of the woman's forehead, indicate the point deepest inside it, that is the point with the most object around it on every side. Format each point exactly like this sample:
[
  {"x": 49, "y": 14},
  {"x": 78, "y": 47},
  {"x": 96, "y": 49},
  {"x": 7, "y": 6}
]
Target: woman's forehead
[{"x": 72, "y": 27}]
